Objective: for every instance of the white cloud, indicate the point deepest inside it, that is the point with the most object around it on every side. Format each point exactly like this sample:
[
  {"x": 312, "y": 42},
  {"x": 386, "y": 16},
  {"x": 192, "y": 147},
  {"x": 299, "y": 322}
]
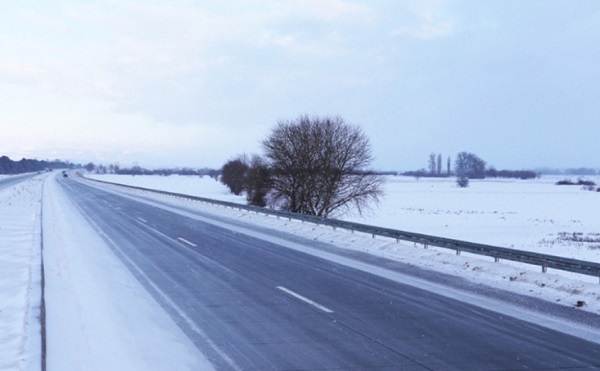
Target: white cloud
[
  {"x": 163, "y": 68},
  {"x": 429, "y": 20}
]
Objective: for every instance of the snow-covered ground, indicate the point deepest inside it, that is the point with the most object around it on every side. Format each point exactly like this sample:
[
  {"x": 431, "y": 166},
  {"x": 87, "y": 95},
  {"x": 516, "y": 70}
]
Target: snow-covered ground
[
  {"x": 95, "y": 323},
  {"x": 20, "y": 285}
]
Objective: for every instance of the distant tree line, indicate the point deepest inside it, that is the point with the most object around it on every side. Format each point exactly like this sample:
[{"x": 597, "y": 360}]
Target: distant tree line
[
  {"x": 517, "y": 174},
  {"x": 8, "y": 166},
  {"x": 582, "y": 171},
  {"x": 467, "y": 166},
  {"x": 138, "y": 170},
  {"x": 435, "y": 168}
]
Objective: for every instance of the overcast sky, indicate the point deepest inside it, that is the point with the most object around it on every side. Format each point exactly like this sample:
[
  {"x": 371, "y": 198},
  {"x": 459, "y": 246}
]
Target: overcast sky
[{"x": 193, "y": 83}]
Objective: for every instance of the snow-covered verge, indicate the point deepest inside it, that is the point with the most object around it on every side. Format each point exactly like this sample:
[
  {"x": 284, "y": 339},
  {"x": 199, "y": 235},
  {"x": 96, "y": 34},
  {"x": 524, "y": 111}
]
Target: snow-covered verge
[
  {"x": 188, "y": 185},
  {"x": 20, "y": 275},
  {"x": 476, "y": 208},
  {"x": 99, "y": 317}
]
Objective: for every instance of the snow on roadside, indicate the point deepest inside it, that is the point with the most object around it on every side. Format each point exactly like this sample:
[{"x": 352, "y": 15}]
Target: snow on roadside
[
  {"x": 188, "y": 185},
  {"x": 556, "y": 286},
  {"x": 20, "y": 275},
  {"x": 99, "y": 317}
]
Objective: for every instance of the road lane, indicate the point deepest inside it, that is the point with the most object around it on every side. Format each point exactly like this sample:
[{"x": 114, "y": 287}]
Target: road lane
[{"x": 223, "y": 289}]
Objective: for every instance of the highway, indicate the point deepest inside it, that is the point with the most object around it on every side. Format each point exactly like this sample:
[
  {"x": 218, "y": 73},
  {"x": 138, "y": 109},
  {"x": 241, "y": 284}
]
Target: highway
[{"x": 250, "y": 303}]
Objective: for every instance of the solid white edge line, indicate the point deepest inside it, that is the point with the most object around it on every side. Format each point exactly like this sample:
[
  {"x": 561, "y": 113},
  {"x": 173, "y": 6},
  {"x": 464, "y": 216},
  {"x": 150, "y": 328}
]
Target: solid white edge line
[
  {"x": 143, "y": 220},
  {"x": 187, "y": 242},
  {"x": 304, "y": 299}
]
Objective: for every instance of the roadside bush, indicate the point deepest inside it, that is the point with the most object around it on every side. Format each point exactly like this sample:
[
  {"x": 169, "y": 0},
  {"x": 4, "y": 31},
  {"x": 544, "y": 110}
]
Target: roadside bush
[
  {"x": 565, "y": 182},
  {"x": 234, "y": 174},
  {"x": 258, "y": 182},
  {"x": 584, "y": 182},
  {"x": 462, "y": 181}
]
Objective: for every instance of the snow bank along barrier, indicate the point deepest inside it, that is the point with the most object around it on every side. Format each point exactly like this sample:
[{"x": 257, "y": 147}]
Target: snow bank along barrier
[{"x": 542, "y": 260}]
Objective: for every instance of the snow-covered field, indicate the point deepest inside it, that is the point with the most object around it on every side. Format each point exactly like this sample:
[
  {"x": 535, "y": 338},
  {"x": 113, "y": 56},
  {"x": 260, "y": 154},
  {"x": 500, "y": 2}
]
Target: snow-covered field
[{"x": 87, "y": 331}]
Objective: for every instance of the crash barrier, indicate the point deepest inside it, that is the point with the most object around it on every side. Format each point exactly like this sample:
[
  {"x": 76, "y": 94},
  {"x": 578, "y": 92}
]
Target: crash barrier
[{"x": 496, "y": 252}]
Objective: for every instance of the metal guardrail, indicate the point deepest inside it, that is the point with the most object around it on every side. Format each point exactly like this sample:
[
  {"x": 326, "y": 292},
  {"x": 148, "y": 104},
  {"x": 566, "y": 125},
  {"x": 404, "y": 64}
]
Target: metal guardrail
[{"x": 542, "y": 260}]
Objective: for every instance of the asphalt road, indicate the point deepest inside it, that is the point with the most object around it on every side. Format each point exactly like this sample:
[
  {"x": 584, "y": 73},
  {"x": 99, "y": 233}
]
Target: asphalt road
[{"x": 251, "y": 304}]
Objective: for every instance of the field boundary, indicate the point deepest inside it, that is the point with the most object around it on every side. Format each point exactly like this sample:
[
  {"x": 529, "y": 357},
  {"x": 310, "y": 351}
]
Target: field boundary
[{"x": 542, "y": 260}]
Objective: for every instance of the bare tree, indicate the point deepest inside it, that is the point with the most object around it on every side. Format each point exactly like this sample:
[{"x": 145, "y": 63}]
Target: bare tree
[
  {"x": 469, "y": 165},
  {"x": 439, "y": 164},
  {"x": 90, "y": 167},
  {"x": 234, "y": 174},
  {"x": 319, "y": 165},
  {"x": 258, "y": 181},
  {"x": 432, "y": 163}
]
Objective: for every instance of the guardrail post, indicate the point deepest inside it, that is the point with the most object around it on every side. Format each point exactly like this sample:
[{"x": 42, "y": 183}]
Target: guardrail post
[
  {"x": 425, "y": 246},
  {"x": 457, "y": 252},
  {"x": 544, "y": 269},
  {"x": 496, "y": 259}
]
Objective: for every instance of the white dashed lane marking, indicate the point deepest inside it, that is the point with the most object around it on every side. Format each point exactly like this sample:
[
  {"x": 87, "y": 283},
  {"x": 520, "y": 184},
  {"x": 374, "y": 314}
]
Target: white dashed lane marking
[
  {"x": 304, "y": 299},
  {"x": 187, "y": 242}
]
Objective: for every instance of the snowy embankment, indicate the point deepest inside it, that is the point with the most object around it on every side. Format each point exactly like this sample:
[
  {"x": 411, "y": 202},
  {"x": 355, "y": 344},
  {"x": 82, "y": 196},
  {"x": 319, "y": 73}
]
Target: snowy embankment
[
  {"x": 20, "y": 275},
  {"x": 530, "y": 215}
]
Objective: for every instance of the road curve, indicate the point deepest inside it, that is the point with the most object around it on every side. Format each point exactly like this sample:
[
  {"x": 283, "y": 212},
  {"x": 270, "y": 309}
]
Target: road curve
[{"x": 248, "y": 303}]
